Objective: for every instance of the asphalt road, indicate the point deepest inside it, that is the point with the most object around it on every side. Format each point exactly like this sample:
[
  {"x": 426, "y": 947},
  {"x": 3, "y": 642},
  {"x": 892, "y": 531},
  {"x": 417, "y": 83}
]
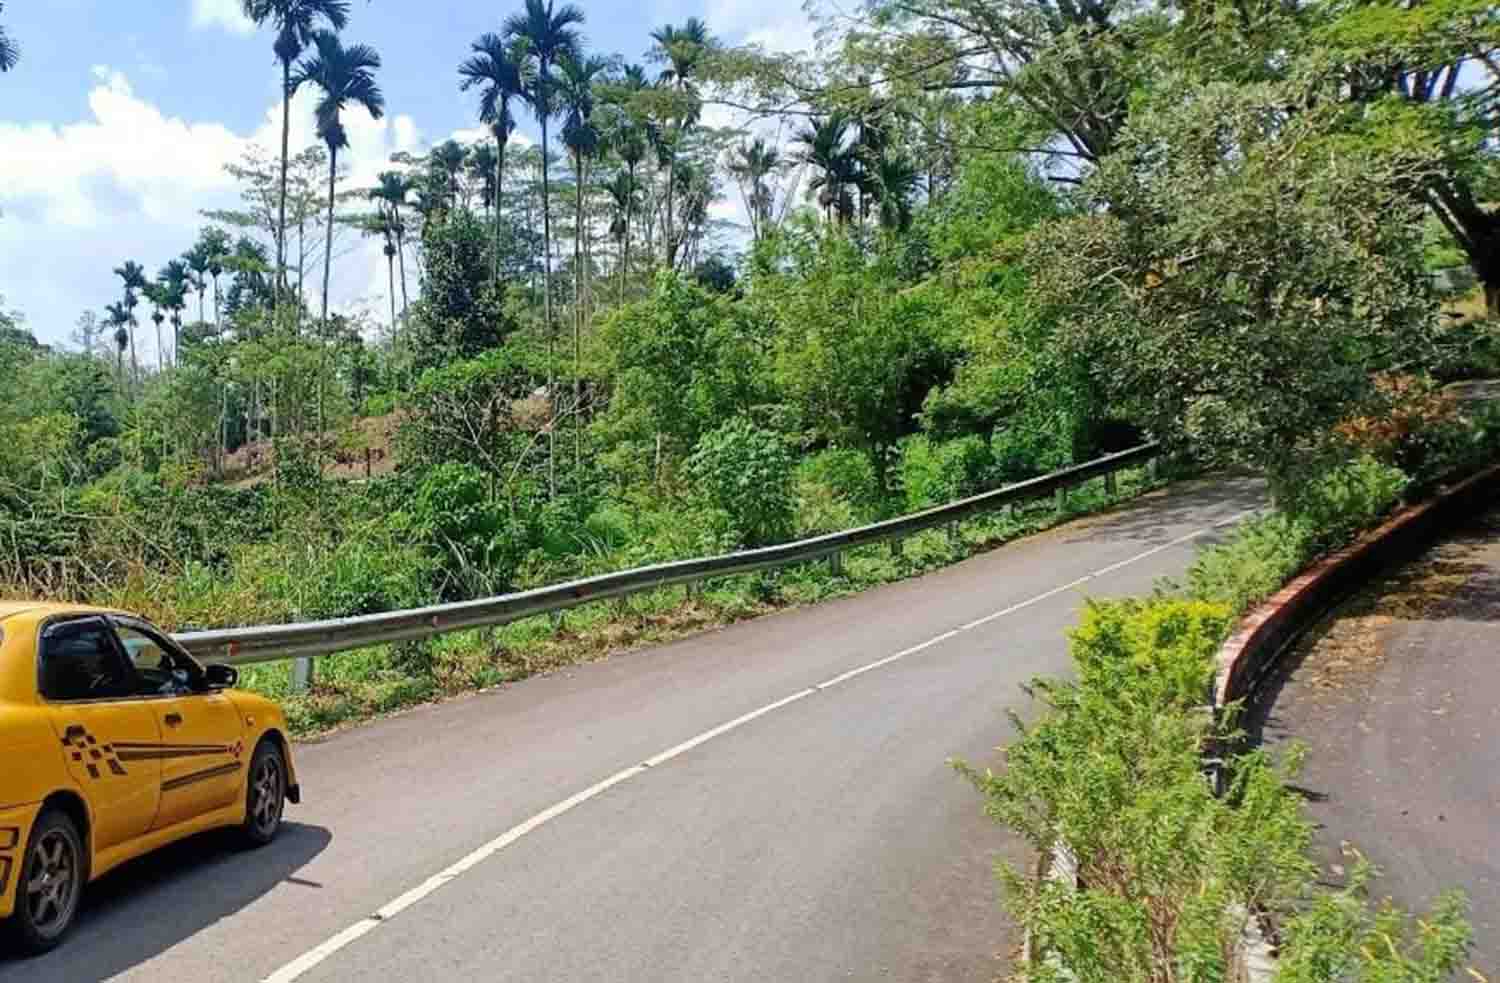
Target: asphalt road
[
  {"x": 1397, "y": 698},
  {"x": 825, "y": 838}
]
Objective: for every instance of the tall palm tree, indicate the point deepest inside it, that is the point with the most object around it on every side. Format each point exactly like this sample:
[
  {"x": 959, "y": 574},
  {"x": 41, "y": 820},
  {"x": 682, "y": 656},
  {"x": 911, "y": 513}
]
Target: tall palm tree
[
  {"x": 159, "y": 296},
  {"x": 393, "y": 190},
  {"x": 751, "y": 163},
  {"x": 893, "y": 180},
  {"x": 683, "y": 49},
  {"x": 502, "y": 72},
  {"x": 216, "y": 249},
  {"x": 625, "y": 132},
  {"x": 448, "y": 158},
  {"x": 118, "y": 318},
  {"x": 481, "y": 167},
  {"x": 825, "y": 147},
  {"x": 296, "y": 22},
  {"x": 576, "y": 80},
  {"x": 623, "y": 195},
  {"x": 173, "y": 280},
  {"x": 10, "y": 52},
  {"x": 196, "y": 260},
  {"x": 550, "y": 33},
  {"x": 133, "y": 275},
  {"x": 343, "y": 76}
]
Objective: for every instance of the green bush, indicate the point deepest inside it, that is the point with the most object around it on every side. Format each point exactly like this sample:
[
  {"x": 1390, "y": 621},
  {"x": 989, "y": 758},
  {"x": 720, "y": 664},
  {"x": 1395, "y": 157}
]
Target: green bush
[
  {"x": 848, "y": 474},
  {"x": 1345, "y": 499},
  {"x": 1025, "y": 447},
  {"x": 747, "y": 472},
  {"x": 935, "y": 473}
]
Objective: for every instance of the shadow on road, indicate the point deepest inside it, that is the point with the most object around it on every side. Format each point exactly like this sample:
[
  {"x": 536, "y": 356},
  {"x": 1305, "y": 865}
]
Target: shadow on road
[
  {"x": 151, "y": 904},
  {"x": 1153, "y": 519}
]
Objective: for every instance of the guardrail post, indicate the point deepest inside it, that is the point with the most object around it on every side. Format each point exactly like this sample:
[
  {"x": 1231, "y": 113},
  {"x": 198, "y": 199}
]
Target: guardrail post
[
  {"x": 896, "y": 547},
  {"x": 1062, "y": 497},
  {"x": 694, "y": 588},
  {"x": 302, "y": 674},
  {"x": 836, "y": 563},
  {"x": 1109, "y": 484},
  {"x": 1151, "y": 469},
  {"x": 954, "y": 539}
]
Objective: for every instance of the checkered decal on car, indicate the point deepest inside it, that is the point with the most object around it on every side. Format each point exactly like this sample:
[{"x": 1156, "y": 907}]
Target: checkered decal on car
[{"x": 99, "y": 759}]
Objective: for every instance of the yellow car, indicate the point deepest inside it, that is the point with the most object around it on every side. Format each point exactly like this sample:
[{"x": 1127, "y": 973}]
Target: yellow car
[{"x": 114, "y": 742}]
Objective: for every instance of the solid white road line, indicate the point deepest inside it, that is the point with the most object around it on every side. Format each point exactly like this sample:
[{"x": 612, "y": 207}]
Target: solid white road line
[{"x": 308, "y": 960}]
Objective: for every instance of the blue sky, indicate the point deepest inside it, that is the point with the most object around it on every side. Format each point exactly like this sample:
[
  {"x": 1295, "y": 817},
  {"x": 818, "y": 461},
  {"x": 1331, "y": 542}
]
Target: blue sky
[{"x": 115, "y": 126}]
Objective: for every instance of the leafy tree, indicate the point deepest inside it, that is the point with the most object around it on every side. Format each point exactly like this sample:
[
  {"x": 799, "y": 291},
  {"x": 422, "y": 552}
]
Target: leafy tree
[
  {"x": 854, "y": 356},
  {"x": 746, "y": 470},
  {"x": 461, "y": 311},
  {"x": 682, "y": 361},
  {"x": 1240, "y": 303},
  {"x": 296, "y": 23},
  {"x": 500, "y": 70}
]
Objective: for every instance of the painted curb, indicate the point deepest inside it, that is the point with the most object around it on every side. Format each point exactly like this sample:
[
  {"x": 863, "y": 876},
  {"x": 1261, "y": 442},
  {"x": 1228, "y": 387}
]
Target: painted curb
[{"x": 1277, "y": 622}]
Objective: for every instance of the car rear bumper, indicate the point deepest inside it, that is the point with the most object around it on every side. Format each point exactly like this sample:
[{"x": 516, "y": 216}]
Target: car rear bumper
[
  {"x": 15, "y": 827},
  {"x": 294, "y": 794}
]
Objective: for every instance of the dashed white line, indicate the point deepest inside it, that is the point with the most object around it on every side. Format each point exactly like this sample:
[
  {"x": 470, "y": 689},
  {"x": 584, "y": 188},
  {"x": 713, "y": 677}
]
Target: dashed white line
[{"x": 313, "y": 957}]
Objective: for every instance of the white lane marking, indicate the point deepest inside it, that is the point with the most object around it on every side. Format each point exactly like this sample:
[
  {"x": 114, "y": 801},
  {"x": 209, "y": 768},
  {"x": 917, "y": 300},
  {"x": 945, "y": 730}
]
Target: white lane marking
[{"x": 313, "y": 957}]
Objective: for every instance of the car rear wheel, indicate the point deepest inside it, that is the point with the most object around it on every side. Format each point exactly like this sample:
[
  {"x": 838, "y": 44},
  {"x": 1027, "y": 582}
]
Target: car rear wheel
[
  {"x": 53, "y": 872},
  {"x": 265, "y": 794}
]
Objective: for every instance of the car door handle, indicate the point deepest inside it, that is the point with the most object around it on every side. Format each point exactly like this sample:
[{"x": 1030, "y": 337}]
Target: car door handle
[{"x": 173, "y": 719}]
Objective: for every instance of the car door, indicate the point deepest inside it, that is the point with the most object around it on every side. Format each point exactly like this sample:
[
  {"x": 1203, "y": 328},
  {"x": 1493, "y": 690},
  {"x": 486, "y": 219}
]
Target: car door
[
  {"x": 107, "y": 732},
  {"x": 202, "y": 751}
]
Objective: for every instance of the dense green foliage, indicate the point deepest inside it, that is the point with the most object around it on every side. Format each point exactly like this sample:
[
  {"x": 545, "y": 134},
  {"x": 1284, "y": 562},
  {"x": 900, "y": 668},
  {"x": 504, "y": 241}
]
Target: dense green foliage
[
  {"x": 1169, "y": 875},
  {"x": 999, "y": 237}
]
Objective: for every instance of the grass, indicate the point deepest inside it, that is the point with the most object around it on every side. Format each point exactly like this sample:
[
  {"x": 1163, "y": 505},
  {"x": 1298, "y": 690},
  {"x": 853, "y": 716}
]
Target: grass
[{"x": 356, "y": 686}]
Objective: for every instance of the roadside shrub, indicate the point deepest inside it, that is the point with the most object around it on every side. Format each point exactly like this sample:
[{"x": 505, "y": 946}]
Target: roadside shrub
[
  {"x": 1113, "y": 769},
  {"x": 1025, "y": 447},
  {"x": 747, "y": 472},
  {"x": 1261, "y": 556},
  {"x": 934, "y": 473},
  {"x": 1160, "y": 649},
  {"x": 1346, "y": 499},
  {"x": 848, "y": 474}
]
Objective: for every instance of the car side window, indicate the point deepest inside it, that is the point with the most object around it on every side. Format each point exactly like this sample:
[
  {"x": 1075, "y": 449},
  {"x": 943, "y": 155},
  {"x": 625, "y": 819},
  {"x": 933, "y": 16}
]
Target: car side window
[
  {"x": 80, "y": 661},
  {"x": 159, "y": 668}
]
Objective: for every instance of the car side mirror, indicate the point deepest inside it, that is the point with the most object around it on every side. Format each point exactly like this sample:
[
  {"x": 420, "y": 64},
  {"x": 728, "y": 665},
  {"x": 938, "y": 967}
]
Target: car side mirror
[{"x": 221, "y": 677}]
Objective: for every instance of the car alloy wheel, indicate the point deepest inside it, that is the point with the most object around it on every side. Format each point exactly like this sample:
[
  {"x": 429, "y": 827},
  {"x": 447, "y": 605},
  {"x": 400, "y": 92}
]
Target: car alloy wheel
[
  {"x": 267, "y": 794},
  {"x": 53, "y": 882}
]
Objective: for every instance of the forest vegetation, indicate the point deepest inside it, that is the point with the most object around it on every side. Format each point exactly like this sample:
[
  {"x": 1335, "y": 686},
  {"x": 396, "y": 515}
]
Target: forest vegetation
[{"x": 980, "y": 240}]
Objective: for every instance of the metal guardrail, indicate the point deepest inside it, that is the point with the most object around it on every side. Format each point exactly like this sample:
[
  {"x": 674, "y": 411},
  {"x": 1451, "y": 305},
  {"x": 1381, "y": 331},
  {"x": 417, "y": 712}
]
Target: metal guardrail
[{"x": 271, "y": 643}]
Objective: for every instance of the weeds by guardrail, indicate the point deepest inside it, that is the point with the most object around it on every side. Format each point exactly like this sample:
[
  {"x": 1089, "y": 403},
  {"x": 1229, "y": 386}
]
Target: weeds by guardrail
[{"x": 307, "y": 640}]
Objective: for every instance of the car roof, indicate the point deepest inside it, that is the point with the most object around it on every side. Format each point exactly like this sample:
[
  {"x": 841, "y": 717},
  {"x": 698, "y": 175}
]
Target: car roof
[{"x": 36, "y": 610}]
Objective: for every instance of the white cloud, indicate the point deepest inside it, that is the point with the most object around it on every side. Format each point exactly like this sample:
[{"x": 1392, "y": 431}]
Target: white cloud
[
  {"x": 130, "y": 182},
  {"x": 226, "y": 14}
]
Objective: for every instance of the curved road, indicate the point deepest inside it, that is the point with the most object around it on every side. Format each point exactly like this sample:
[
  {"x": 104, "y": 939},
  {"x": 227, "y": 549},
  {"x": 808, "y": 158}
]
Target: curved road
[
  {"x": 1397, "y": 696},
  {"x": 769, "y": 801}
]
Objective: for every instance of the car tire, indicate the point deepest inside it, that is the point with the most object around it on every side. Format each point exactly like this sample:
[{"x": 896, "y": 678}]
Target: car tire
[
  {"x": 49, "y": 889},
  {"x": 265, "y": 794}
]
